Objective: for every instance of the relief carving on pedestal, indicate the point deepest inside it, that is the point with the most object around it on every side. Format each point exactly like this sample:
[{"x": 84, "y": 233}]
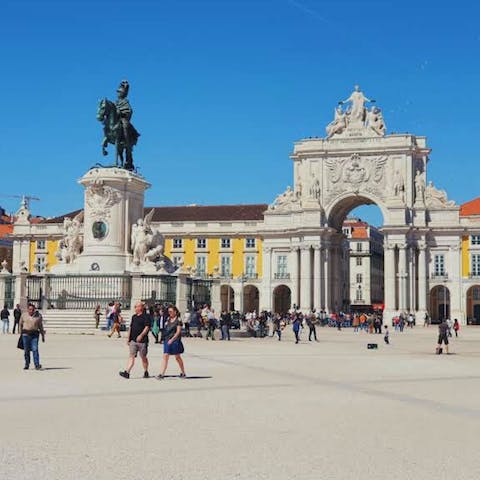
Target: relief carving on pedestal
[{"x": 100, "y": 199}]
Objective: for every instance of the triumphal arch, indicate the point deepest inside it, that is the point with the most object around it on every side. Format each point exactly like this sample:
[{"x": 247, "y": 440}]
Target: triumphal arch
[{"x": 358, "y": 163}]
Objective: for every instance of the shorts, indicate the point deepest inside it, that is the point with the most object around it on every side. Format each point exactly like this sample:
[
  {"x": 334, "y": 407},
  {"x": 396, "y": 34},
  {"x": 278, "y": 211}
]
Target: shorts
[
  {"x": 443, "y": 338},
  {"x": 138, "y": 347}
]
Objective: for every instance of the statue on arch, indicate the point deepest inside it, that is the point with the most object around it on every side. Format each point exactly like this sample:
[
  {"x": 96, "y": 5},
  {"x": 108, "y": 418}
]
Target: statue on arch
[
  {"x": 70, "y": 246},
  {"x": 375, "y": 121},
  {"x": 339, "y": 123},
  {"x": 435, "y": 197},
  {"x": 357, "y": 109},
  {"x": 419, "y": 187}
]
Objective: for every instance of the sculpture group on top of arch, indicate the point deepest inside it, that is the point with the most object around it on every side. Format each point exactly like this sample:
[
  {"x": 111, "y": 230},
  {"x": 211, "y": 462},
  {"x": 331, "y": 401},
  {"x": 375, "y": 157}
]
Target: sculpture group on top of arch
[{"x": 357, "y": 116}]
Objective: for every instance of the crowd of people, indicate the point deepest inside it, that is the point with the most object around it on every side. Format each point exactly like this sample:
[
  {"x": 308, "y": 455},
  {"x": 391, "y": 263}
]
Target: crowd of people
[{"x": 164, "y": 323}]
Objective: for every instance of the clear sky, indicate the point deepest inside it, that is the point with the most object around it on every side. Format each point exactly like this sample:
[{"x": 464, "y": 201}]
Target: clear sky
[{"x": 222, "y": 88}]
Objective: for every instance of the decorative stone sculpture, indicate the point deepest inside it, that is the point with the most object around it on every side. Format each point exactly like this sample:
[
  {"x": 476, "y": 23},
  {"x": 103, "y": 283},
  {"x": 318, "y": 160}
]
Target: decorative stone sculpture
[
  {"x": 4, "y": 267},
  {"x": 419, "y": 187},
  {"x": 357, "y": 110},
  {"x": 70, "y": 246},
  {"x": 284, "y": 201},
  {"x": 398, "y": 186},
  {"x": 315, "y": 190},
  {"x": 147, "y": 244},
  {"x": 375, "y": 121},
  {"x": 436, "y": 198},
  {"x": 339, "y": 123},
  {"x": 100, "y": 199}
]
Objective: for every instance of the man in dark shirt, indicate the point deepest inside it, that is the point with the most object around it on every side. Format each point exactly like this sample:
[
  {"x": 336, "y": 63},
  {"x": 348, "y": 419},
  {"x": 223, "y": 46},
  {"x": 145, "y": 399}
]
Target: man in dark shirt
[
  {"x": 442, "y": 336},
  {"x": 137, "y": 340},
  {"x": 17, "y": 313}
]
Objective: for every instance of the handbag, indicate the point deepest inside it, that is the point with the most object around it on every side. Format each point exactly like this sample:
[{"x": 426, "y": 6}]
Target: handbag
[{"x": 20, "y": 342}]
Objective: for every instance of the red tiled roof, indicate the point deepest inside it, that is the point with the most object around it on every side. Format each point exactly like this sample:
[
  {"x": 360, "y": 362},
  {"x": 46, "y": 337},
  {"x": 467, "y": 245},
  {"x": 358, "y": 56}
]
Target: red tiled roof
[
  {"x": 360, "y": 232},
  {"x": 195, "y": 213},
  {"x": 470, "y": 208},
  {"x": 212, "y": 213},
  {"x": 5, "y": 229}
]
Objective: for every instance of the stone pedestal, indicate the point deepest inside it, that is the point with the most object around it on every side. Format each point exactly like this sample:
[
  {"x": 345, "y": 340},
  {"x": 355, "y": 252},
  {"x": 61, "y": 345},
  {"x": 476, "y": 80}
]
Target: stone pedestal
[{"x": 114, "y": 200}]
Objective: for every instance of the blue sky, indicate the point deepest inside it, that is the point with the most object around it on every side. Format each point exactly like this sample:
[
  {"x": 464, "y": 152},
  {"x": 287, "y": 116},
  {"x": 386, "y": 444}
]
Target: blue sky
[{"x": 222, "y": 89}]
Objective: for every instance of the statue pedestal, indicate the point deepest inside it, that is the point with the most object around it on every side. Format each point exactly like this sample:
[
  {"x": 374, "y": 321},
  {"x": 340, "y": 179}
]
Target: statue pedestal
[{"x": 114, "y": 200}]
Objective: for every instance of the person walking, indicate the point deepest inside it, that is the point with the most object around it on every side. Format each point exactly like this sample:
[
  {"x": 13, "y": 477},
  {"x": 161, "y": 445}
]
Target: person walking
[
  {"x": 5, "y": 317},
  {"x": 96, "y": 315},
  {"x": 277, "y": 326},
  {"x": 311, "y": 323},
  {"x": 155, "y": 325},
  {"x": 109, "y": 314},
  {"x": 456, "y": 327},
  {"x": 31, "y": 328},
  {"x": 172, "y": 343},
  {"x": 426, "y": 320},
  {"x": 186, "y": 322},
  {"x": 117, "y": 320},
  {"x": 442, "y": 336},
  {"x": 211, "y": 325},
  {"x": 225, "y": 324},
  {"x": 386, "y": 335},
  {"x": 17, "y": 313},
  {"x": 137, "y": 340},
  {"x": 296, "y": 327}
]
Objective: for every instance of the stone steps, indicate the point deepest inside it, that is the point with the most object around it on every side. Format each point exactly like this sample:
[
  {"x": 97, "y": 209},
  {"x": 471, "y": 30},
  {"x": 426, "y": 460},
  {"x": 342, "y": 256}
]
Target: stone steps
[{"x": 74, "y": 321}]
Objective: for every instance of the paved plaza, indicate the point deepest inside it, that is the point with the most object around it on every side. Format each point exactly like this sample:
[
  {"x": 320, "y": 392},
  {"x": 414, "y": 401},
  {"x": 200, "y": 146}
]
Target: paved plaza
[{"x": 251, "y": 409}]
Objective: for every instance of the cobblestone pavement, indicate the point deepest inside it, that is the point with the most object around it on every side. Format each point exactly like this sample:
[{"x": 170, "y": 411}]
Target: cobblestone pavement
[{"x": 251, "y": 409}]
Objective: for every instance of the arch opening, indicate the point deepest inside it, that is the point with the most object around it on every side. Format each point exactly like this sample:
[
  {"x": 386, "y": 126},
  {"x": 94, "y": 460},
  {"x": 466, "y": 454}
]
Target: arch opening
[
  {"x": 251, "y": 298},
  {"x": 227, "y": 298},
  {"x": 282, "y": 299},
  {"x": 439, "y": 303},
  {"x": 358, "y": 263},
  {"x": 473, "y": 305}
]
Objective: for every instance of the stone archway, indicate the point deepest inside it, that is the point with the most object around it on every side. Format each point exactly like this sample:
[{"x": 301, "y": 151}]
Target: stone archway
[
  {"x": 473, "y": 305},
  {"x": 439, "y": 303},
  {"x": 251, "y": 298},
  {"x": 282, "y": 299},
  {"x": 227, "y": 298}
]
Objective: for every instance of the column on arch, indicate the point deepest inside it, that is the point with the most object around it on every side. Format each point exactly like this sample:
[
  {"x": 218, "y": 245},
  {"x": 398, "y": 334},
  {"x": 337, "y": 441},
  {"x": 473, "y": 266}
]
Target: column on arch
[
  {"x": 305, "y": 278},
  {"x": 317, "y": 276},
  {"x": 327, "y": 279},
  {"x": 403, "y": 277},
  {"x": 294, "y": 275},
  {"x": 389, "y": 276},
  {"x": 422, "y": 279}
]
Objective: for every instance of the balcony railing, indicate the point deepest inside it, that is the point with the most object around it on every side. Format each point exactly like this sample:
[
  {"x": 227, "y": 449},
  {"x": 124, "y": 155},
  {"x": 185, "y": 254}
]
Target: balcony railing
[
  {"x": 251, "y": 275},
  {"x": 439, "y": 276},
  {"x": 474, "y": 275},
  {"x": 281, "y": 276}
]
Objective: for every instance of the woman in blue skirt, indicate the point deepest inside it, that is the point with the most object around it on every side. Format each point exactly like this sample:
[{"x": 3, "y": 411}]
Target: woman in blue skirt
[{"x": 172, "y": 344}]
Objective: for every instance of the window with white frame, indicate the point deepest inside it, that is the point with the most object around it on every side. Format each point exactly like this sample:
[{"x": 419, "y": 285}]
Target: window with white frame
[
  {"x": 40, "y": 264},
  {"x": 346, "y": 231},
  {"x": 250, "y": 243},
  {"x": 476, "y": 264},
  {"x": 201, "y": 243},
  {"x": 250, "y": 266},
  {"x": 282, "y": 266},
  {"x": 40, "y": 244},
  {"x": 225, "y": 266},
  {"x": 359, "y": 278},
  {"x": 177, "y": 243},
  {"x": 225, "y": 243},
  {"x": 176, "y": 260},
  {"x": 439, "y": 265},
  {"x": 359, "y": 247},
  {"x": 359, "y": 294},
  {"x": 475, "y": 239},
  {"x": 201, "y": 264},
  {"x": 359, "y": 260}
]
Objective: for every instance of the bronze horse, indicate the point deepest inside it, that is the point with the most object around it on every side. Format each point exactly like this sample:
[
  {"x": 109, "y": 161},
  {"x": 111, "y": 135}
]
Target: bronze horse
[{"x": 114, "y": 134}]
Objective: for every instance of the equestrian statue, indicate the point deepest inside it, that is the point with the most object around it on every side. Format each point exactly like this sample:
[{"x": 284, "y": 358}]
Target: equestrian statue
[{"x": 117, "y": 128}]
